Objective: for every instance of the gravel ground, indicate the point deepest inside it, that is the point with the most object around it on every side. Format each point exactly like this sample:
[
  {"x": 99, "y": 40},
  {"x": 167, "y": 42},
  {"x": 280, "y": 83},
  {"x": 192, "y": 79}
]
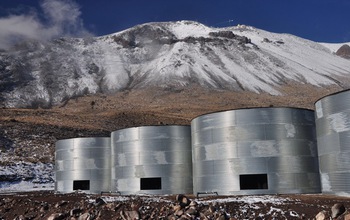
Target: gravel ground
[{"x": 49, "y": 205}]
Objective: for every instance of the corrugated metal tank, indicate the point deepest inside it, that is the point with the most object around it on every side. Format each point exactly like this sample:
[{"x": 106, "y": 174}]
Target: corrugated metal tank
[
  {"x": 152, "y": 160},
  {"x": 333, "y": 138},
  {"x": 83, "y": 164},
  {"x": 255, "y": 151}
]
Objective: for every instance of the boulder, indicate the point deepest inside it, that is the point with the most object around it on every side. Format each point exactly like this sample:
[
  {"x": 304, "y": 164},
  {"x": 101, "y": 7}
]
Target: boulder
[
  {"x": 99, "y": 201},
  {"x": 56, "y": 216},
  {"x": 320, "y": 216},
  {"x": 347, "y": 216},
  {"x": 85, "y": 216},
  {"x": 183, "y": 200},
  {"x": 191, "y": 211},
  {"x": 44, "y": 207},
  {"x": 193, "y": 204},
  {"x": 61, "y": 203},
  {"x": 176, "y": 208},
  {"x": 74, "y": 212},
  {"x": 179, "y": 212},
  {"x": 128, "y": 215},
  {"x": 337, "y": 210}
]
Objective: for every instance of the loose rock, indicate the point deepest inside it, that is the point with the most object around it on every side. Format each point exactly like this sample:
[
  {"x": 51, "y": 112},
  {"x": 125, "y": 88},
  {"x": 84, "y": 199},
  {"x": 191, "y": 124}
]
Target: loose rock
[
  {"x": 85, "y": 216},
  {"x": 99, "y": 201},
  {"x": 183, "y": 200},
  {"x": 337, "y": 210},
  {"x": 56, "y": 216},
  {"x": 128, "y": 215}
]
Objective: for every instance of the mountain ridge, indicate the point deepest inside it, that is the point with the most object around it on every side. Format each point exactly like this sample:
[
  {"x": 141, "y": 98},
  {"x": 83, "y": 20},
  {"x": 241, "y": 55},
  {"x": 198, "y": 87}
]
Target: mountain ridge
[{"x": 166, "y": 55}]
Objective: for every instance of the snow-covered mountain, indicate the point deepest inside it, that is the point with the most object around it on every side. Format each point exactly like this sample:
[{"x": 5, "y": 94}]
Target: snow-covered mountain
[{"x": 168, "y": 54}]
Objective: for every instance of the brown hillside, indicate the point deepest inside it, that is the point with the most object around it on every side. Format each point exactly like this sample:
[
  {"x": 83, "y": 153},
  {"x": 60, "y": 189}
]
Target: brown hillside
[{"x": 30, "y": 134}]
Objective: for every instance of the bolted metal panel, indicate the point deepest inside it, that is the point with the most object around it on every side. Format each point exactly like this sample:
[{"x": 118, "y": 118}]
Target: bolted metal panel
[
  {"x": 333, "y": 137},
  {"x": 83, "y": 159},
  {"x": 162, "y": 152},
  {"x": 278, "y": 144}
]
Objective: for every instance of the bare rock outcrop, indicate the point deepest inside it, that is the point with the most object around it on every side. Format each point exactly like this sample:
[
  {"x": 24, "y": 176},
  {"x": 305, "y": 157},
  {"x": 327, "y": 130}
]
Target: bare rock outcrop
[{"x": 344, "y": 51}]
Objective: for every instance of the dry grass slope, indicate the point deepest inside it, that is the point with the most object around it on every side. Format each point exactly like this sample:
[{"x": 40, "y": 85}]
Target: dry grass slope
[{"x": 33, "y": 132}]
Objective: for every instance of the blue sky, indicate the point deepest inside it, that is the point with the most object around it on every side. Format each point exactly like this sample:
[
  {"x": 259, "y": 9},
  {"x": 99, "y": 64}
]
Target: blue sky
[{"x": 317, "y": 20}]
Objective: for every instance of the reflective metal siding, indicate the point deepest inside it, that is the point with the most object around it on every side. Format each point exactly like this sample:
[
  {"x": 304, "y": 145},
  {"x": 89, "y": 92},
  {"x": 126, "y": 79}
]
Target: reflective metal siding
[
  {"x": 333, "y": 137},
  {"x": 152, "y": 152},
  {"x": 279, "y": 142},
  {"x": 83, "y": 159}
]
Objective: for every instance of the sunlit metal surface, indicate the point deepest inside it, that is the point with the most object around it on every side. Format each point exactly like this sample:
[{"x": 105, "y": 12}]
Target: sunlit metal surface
[
  {"x": 333, "y": 138},
  {"x": 255, "y": 151},
  {"x": 81, "y": 161},
  {"x": 154, "y": 154}
]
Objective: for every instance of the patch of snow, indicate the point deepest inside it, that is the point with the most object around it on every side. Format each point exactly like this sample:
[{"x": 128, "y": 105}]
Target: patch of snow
[
  {"x": 250, "y": 200},
  {"x": 294, "y": 214},
  {"x": 343, "y": 194},
  {"x": 112, "y": 199},
  {"x": 274, "y": 210},
  {"x": 115, "y": 77},
  {"x": 307, "y": 60},
  {"x": 183, "y": 29},
  {"x": 21, "y": 186},
  {"x": 24, "y": 176},
  {"x": 145, "y": 198}
]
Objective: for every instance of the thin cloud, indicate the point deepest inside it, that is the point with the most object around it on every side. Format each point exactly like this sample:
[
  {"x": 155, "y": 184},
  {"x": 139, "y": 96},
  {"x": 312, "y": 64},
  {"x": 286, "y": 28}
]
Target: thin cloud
[{"x": 60, "y": 18}]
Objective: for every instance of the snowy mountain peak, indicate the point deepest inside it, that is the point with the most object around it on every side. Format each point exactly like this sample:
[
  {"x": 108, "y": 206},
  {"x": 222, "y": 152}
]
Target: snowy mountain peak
[
  {"x": 178, "y": 29},
  {"x": 165, "y": 54}
]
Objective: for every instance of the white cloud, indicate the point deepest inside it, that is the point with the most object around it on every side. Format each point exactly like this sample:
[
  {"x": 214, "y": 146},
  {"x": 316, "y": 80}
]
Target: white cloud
[{"x": 61, "y": 18}]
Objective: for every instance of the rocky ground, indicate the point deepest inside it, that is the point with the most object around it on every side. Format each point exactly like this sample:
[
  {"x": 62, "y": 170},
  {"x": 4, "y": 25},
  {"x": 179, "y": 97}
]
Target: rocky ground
[{"x": 48, "y": 205}]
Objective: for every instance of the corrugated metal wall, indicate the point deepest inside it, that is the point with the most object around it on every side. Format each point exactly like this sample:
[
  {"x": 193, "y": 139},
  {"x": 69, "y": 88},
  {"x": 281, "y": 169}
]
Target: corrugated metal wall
[
  {"x": 333, "y": 137},
  {"x": 253, "y": 151},
  {"x": 152, "y": 160},
  {"x": 83, "y": 163}
]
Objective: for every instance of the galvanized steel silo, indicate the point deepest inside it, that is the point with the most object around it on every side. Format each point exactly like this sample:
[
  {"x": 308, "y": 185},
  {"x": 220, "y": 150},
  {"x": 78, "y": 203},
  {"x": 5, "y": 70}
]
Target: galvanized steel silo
[
  {"x": 255, "y": 151},
  {"x": 333, "y": 140},
  {"x": 83, "y": 164},
  {"x": 152, "y": 160}
]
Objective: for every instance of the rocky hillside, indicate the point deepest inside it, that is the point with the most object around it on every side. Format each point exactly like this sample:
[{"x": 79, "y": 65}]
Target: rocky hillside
[{"x": 30, "y": 134}]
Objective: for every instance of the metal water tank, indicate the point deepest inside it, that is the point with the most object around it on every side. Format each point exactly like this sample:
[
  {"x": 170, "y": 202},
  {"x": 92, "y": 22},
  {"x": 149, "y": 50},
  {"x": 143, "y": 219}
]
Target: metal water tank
[
  {"x": 152, "y": 160},
  {"x": 255, "y": 151},
  {"x": 333, "y": 140},
  {"x": 83, "y": 164}
]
